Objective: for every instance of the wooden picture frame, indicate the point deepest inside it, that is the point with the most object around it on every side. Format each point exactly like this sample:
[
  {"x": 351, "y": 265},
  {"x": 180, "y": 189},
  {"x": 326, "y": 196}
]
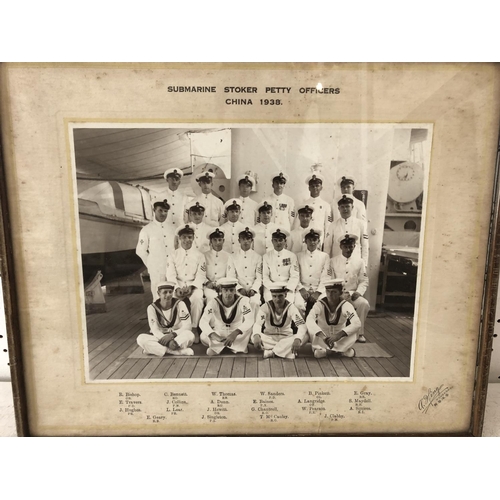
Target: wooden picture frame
[{"x": 355, "y": 119}]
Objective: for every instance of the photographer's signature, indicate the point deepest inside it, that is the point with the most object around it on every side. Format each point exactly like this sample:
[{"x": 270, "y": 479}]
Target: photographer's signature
[{"x": 434, "y": 397}]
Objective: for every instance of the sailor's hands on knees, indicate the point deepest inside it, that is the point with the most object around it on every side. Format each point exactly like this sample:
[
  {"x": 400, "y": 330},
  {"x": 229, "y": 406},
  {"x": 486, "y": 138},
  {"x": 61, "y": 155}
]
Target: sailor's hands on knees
[
  {"x": 231, "y": 338},
  {"x": 166, "y": 339},
  {"x": 296, "y": 346},
  {"x": 214, "y": 337},
  {"x": 257, "y": 342},
  {"x": 355, "y": 296}
]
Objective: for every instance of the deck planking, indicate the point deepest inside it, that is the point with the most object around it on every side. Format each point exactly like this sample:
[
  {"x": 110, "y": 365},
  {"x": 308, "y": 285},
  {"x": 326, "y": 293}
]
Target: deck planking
[{"x": 111, "y": 338}]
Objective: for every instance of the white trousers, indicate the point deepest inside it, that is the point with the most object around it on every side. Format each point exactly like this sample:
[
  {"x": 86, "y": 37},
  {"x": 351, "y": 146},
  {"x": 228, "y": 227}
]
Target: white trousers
[
  {"x": 362, "y": 307},
  {"x": 300, "y": 303},
  {"x": 156, "y": 278},
  {"x": 341, "y": 345},
  {"x": 281, "y": 345},
  {"x": 150, "y": 344},
  {"x": 239, "y": 345},
  {"x": 196, "y": 306}
]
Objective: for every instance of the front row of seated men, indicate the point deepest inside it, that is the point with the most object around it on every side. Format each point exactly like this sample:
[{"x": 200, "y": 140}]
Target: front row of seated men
[{"x": 280, "y": 330}]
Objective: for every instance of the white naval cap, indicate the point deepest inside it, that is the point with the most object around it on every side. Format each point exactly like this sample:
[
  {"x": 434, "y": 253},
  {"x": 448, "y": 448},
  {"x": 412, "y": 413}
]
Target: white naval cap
[
  {"x": 264, "y": 206},
  {"x": 248, "y": 231},
  {"x": 280, "y": 232},
  {"x": 304, "y": 208},
  {"x": 196, "y": 206},
  {"x": 232, "y": 204},
  {"x": 346, "y": 179},
  {"x": 282, "y": 177},
  {"x": 185, "y": 229},
  {"x": 312, "y": 232},
  {"x": 227, "y": 282},
  {"x": 166, "y": 284},
  {"x": 206, "y": 176},
  {"x": 279, "y": 286},
  {"x": 173, "y": 172},
  {"x": 347, "y": 239},
  {"x": 217, "y": 232},
  {"x": 334, "y": 283},
  {"x": 247, "y": 178},
  {"x": 315, "y": 177},
  {"x": 345, "y": 198}
]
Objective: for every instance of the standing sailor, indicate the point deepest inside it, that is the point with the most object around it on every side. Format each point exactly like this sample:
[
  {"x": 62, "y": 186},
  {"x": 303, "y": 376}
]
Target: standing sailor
[
  {"x": 347, "y": 224},
  {"x": 170, "y": 325},
  {"x": 212, "y": 204},
  {"x": 296, "y": 242},
  {"x": 155, "y": 244},
  {"x": 346, "y": 184},
  {"x": 177, "y": 201},
  {"x": 264, "y": 229},
  {"x": 196, "y": 213},
  {"x": 233, "y": 227},
  {"x": 248, "y": 213},
  {"x": 283, "y": 205}
]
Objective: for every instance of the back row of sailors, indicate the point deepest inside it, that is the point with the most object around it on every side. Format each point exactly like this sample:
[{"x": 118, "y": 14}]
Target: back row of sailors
[
  {"x": 279, "y": 330},
  {"x": 283, "y": 206}
]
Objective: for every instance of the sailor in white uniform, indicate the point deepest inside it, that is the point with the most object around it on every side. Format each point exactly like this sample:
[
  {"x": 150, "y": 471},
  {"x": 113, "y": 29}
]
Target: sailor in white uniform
[
  {"x": 227, "y": 320},
  {"x": 196, "y": 213},
  {"x": 233, "y": 227},
  {"x": 314, "y": 267},
  {"x": 347, "y": 224},
  {"x": 333, "y": 324},
  {"x": 273, "y": 332},
  {"x": 212, "y": 204},
  {"x": 283, "y": 205},
  {"x": 352, "y": 271},
  {"x": 248, "y": 213},
  {"x": 322, "y": 215},
  {"x": 156, "y": 242},
  {"x": 264, "y": 229},
  {"x": 218, "y": 263},
  {"x": 280, "y": 265},
  {"x": 177, "y": 214},
  {"x": 346, "y": 185},
  {"x": 170, "y": 325},
  {"x": 247, "y": 269},
  {"x": 186, "y": 267},
  {"x": 296, "y": 243}
]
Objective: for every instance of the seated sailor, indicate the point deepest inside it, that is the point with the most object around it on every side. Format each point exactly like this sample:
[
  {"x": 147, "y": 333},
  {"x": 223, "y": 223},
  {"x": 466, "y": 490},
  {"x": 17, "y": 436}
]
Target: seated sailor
[
  {"x": 273, "y": 332},
  {"x": 314, "y": 268},
  {"x": 333, "y": 324},
  {"x": 352, "y": 270},
  {"x": 246, "y": 267},
  {"x": 187, "y": 269},
  {"x": 170, "y": 325},
  {"x": 227, "y": 320},
  {"x": 218, "y": 263}
]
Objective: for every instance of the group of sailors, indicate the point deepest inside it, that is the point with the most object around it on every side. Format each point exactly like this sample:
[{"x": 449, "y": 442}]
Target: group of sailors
[{"x": 269, "y": 273}]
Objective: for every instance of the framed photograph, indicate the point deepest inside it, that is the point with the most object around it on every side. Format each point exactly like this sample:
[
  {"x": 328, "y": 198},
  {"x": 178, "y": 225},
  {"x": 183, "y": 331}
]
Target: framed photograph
[{"x": 245, "y": 249}]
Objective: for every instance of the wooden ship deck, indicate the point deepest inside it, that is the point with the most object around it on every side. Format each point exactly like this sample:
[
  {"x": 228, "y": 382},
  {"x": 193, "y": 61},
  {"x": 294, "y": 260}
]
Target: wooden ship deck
[{"x": 111, "y": 340}]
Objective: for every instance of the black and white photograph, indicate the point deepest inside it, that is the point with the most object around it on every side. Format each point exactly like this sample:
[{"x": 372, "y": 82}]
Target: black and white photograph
[{"x": 249, "y": 251}]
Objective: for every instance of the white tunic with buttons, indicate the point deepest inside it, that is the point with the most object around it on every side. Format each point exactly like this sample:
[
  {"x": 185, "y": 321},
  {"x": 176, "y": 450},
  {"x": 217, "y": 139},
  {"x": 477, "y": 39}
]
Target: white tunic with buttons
[
  {"x": 177, "y": 212},
  {"x": 247, "y": 269},
  {"x": 352, "y": 270},
  {"x": 201, "y": 242},
  {"x": 358, "y": 210},
  {"x": 280, "y": 267},
  {"x": 283, "y": 210},
  {"x": 263, "y": 235},
  {"x": 217, "y": 265},
  {"x": 186, "y": 268},
  {"x": 342, "y": 227},
  {"x": 213, "y": 208},
  {"x": 153, "y": 247},
  {"x": 232, "y": 231},
  {"x": 314, "y": 270},
  {"x": 322, "y": 215},
  {"x": 248, "y": 214}
]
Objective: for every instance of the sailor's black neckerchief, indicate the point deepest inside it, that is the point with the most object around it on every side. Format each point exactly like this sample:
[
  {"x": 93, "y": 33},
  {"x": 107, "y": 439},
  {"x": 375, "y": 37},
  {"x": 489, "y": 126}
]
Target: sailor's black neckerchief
[
  {"x": 274, "y": 315},
  {"x": 164, "y": 323},
  {"x": 227, "y": 320},
  {"x": 332, "y": 318}
]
